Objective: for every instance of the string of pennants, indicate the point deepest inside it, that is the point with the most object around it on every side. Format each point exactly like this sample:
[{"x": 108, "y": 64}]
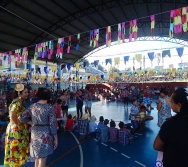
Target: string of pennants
[
  {"x": 139, "y": 57},
  {"x": 45, "y": 50}
]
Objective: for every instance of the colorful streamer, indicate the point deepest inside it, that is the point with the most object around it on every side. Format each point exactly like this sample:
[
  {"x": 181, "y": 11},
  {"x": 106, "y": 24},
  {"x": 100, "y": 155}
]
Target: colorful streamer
[
  {"x": 69, "y": 44},
  {"x": 108, "y": 36},
  {"x": 96, "y": 38},
  {"x": 184, "y": 18},
  {"x": 77, "y": 42},
  {"x": 135, "y": 29},
  {"x": 152, "y": 18},
  {"x": 119, "y": 33},
  {"x": 91, "y": 38},
  {"x": 123, "y": 32}
]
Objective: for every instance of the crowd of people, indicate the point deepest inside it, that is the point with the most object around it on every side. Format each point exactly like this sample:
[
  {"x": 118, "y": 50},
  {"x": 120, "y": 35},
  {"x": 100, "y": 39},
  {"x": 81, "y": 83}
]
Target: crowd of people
[{"x": 25, "y": 131}]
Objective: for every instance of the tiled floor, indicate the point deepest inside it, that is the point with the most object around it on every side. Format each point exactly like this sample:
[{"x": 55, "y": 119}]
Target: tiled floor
[{"x": 77, "y": 152}]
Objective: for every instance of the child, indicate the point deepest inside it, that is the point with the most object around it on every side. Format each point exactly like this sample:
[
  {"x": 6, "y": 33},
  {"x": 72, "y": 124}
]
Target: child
[
  {"x": 92, "y": 126},
  {"x": 124, "y": 135},
  {"x": 58, "y": 113},
  {"x": 83, "y": 125},
  {"x": 144, "y": 109},
  {"x": 101, "y": 123},
  {"x": 113, "y": 132},
  {"x": 134, "y": 112},
  {"x": 70, "y": 123},
  {"x": 104, "y": 131}
]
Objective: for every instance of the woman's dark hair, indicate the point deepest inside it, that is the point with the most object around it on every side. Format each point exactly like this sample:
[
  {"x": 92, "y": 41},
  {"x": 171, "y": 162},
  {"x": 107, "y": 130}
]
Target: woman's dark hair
[
  {"x": 180, "y": 95},
  {"x": 20, "y": 92},
  {"x": 112, "y": 124},
  {"x": 43, "y": 94},
  {"x": 59, "y": 101},
  {"x": 121, "y": 124},
  {"x": 106, "y": 121},
  {"x": 164, "y": 91},
  {"x": 101, "y": 118}
]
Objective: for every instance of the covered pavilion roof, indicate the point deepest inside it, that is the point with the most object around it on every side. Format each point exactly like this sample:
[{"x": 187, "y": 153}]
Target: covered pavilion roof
[{"x": 29, "y": 22}]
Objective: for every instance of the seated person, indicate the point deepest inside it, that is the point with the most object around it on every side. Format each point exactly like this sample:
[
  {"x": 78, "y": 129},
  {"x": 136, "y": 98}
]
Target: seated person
[
  {"x": 92, "y": 126},
  {"x": 70, "y": 123},
  {"x": 113, "y": 132},
  {"x": 104, "y": 132},
  {"x": 124, "y": 137},
  {"x": 144, "y": 109},
  {"x": 83, "y": 125}
]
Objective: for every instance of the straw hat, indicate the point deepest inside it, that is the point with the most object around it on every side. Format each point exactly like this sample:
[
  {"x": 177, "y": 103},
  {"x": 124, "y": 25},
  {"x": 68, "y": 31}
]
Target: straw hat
[
  {"x": 93, "y": 118},
  {"x": 19, "y": 87},
  {"x": 85, "y": 116}
]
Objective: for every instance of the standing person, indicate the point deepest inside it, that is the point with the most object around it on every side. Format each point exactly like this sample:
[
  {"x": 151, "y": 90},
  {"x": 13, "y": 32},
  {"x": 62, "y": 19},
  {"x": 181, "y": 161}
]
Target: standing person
[
  {"x": 126, "y": 97},
  {"x": 88, "y": 101},
  {"x": 164, "y": 112},
  {"x": 146, "y": 98},
  {"x": 44, "y": 132},
  {"x": 17, "y": 136},
  {"x": 79, "y": 104},
  {"x": 134, "y": 112},
  {"x": 173, "y": 135},
  {"x": 65, "y": 103}
]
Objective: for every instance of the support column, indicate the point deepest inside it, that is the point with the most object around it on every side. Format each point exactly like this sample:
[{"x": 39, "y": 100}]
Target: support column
[
  {"x": 30, "y": 68},
  {"x": 59, "y": 75},
  {"x": 9, "y": 78}
]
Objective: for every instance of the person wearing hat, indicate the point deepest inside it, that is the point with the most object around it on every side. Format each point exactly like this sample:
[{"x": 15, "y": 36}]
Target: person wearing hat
[
  {"x": 83, "y": 125},
  {"x": 92, "y": 126},
  {"x": 17, "y": 136}
]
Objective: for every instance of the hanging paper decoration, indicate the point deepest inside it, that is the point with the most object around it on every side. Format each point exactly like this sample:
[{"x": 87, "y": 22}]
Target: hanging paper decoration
[
  {"x": 116, "y": 60},
  {"x": 91, "y": 38},
  {"x": 126, "y": 59},
  {"x": 119, "y": 33},
  {"x": 109, "y": 61},
  {"x": 135, "y": 29},
  {"x": 166, "y": 52},
  {"x": 123, "y": 31},
  {"x": 77, "y": 66},
  {"x": 9, "y": 59},
  {"x": 144, "y": 61},
  {"x": 108, "y": 36},
  {"x": 133, "y": 63},
  {"x": 184, "y": 18},
  {"x": 25, "y": 54},
  {"x": 171, "y": 29},
  {"x": 69, "y": 44},
  {"x": 77, "y": 42},
  {"x": 86, "y": 64},
  {"x": 152, "y": 18},
  {"x": 177, "y": 21},
  {"x": 151, "y": 57},
  {"x": 69, "y": 66},
  {"x": 60, "y": 47},
  {"x": 130, "y": 31},
  {"x": 138, "y": 57},
  {"x": 180, "y": 51},
  {"x": 96, "y": 38},
  {"x": 96, "y": 62}
]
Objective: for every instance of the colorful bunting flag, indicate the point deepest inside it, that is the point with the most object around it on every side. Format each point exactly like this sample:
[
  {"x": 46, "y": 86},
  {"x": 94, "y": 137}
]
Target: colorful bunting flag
[
  {"x": 77, "y": 42},
  {"x": 135, "y": 29},
  {"x": 108, "y": 36},
  {"x": 96, "y": 38},
  {"x": 91, "y": 38},
  {"x": 123, "y": 31},
  {"x": 184, "y": 18},
  {"x": 152, "y": 18},
  {"x": 69, "y": 44}
]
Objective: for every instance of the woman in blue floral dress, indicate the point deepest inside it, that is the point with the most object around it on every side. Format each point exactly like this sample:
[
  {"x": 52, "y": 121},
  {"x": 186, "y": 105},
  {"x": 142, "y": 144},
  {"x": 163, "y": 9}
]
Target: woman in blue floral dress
[
  {"x": 163, "y": 107},
  {"x": 44, "y": 132},
  {"x": 164, "y": 112}
]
